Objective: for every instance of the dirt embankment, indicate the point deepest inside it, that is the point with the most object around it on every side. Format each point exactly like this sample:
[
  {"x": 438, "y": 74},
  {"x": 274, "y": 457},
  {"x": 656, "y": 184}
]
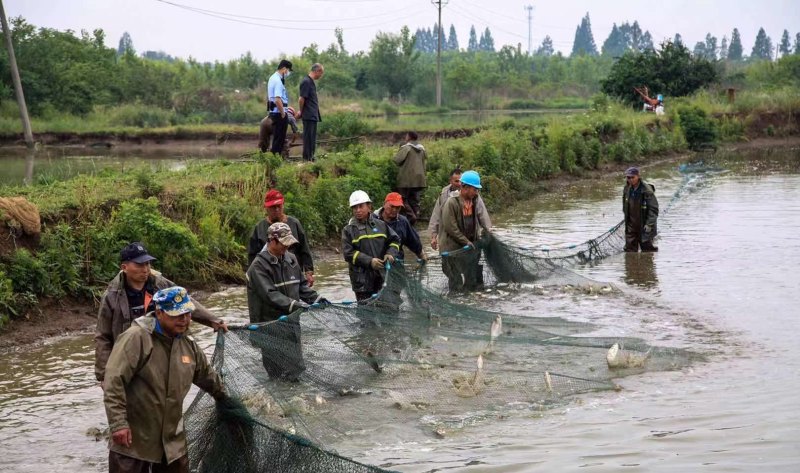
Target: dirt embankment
[{"x": 58, "y": 317}]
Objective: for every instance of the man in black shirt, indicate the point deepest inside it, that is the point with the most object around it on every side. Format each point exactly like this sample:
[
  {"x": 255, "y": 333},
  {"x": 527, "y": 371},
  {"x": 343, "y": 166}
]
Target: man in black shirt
[{"x": 309, "y": 110}]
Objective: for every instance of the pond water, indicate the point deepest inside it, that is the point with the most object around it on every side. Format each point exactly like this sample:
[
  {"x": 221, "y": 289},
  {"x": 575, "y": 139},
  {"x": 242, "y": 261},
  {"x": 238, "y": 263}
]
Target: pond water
[{"x": 723, "y": 283}]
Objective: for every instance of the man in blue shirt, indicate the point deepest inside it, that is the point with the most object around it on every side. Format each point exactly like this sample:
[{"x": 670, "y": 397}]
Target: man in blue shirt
[{"x": 278, "y": 102}]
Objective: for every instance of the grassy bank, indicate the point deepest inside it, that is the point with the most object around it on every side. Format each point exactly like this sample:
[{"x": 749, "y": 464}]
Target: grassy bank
[{"x": 197, "y": 220}]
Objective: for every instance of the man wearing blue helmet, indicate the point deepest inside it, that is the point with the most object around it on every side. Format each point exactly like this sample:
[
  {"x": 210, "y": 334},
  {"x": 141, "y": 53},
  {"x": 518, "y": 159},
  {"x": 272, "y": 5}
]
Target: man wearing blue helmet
[{"x": 459, "y": 230}]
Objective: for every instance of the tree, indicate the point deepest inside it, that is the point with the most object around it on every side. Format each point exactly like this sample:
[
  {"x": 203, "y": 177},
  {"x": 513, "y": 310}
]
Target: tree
[
  {"x": 646, "y": 41},
  {"x": 699, "y": 50},
  {"x": 735, "y": 49},
  {"x": 723, "y": 49},
  {"x": 391, "y": 63},
  {"x": 473, "y": 40},
  {"x": 762, "y": 48},
  {"x": 452, "y": 39},
  {"x": 615, "y": 45},
  {"x": 797, "y": 43},
  {"x": 584, "y": 40},
  {"x": 785, "y": 47},
  {"x": 711, "y": 47},
  {"x": 678, "y": 39},
  {"x": 486, "y": 43},
  {"x": 672, "y": 71},
  {"x": 546, "y": 49},
  {"x": 125, "y": 45}
]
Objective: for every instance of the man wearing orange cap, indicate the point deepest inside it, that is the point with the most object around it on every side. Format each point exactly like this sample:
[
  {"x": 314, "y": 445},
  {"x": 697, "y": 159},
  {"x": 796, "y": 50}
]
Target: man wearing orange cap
[
  {"x": 390, "y": 213},
  {"x": 273, "y": 203}
]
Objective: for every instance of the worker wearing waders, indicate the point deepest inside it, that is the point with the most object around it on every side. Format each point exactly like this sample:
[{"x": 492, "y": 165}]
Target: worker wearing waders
[
  {"x": 640, "y": 206},
  {"x": 130, "y": 295},
  {"x": 149, "y": 373},
  {"x": 452, "y": 189},
  {"x": 459, "y": 230},
  {"x": 276, "y": 286},
  {"x": 368, "y": 244}
]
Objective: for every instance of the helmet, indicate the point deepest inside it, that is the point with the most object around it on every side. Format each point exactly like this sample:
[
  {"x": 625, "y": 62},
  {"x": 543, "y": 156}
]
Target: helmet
[
  {"x": 471, "y": 178},
  {"x": 359, "y": 197},
  {"x": 660, "y": 98}
]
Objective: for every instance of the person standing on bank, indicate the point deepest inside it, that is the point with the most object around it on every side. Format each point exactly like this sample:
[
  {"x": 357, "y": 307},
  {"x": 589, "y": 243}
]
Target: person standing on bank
[
  {"x": 277, "y": 103},
  {"x": 411, "y": 180},
  {"x": 461, "y": 228},
  {"x": 149, "y": 373},
  {"x": 368, "y": 243},
  {"x": 640, "y": 207},
  {"x": 130, "y": 295},
  {"x": 273, "y": 203},
  {"x": 308, "y": 110},
  {"x": 452, "y": 190}
]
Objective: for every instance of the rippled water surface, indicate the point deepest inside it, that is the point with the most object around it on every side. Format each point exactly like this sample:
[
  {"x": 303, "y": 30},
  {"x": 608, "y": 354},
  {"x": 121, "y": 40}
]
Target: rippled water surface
[{"x": 724, "y": 283}]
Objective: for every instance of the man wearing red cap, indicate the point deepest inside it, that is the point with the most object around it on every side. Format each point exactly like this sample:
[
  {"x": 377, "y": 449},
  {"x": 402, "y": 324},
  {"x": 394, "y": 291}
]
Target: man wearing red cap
[
  {"x": 273, "y": 203},
  {"x": 390, "y": 213}
]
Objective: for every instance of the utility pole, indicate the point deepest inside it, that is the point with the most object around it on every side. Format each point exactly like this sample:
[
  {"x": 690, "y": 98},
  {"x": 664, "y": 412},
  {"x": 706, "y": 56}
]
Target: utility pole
[
  {"x": 12, "y": 61},
  {"x": 530, "y": 38},
  {"x": 439, "y": 4}
]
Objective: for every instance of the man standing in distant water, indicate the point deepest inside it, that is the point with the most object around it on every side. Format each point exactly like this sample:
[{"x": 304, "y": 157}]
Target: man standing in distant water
[
  {"x": 308, "y": 110},
  {"x": 640, "y": 206},
  {"x": 277, "y": 103},
  {"x": 411, "y": 179}
]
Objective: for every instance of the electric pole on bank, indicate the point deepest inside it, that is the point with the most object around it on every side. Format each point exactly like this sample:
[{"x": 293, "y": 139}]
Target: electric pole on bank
[
  {"x": 530, "y": 37},
  {"x": 439, "y": 4},
  {"x": 12, "y": 61}
]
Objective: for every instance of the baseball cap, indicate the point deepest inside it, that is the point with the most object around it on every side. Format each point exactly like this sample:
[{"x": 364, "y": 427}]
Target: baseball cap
[
  {"x": 632, "y": 171},
  {"x": 283, "y": 233},
  {"x": 135, "y": 252},
  {"x": 174, "y": 301},
  {"x": 286, "y": 64},
  {"x": 394, "y": 199},
  {"x": 273, "y": 198}
]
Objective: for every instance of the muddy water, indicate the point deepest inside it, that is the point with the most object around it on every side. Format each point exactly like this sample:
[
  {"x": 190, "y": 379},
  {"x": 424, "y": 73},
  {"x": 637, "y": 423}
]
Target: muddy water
[{"x": 723, "y": 283}]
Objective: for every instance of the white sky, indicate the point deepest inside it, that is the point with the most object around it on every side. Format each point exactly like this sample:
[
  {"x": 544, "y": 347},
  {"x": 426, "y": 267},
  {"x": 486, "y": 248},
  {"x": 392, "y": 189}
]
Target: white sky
[{"x": 277, "y": 27}]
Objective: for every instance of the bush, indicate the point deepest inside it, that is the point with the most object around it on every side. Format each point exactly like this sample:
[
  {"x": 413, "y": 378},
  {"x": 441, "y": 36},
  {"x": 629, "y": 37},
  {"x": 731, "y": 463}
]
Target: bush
[
  {"x": 344, "y": 125},
  {"x": 142, "y": 116},
  {"x": 699, "y": 130}
]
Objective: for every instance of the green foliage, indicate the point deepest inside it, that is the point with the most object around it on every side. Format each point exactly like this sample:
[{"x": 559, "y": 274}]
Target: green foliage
[
  {"x": 142, "y": 116},
  {"x": 345, "y": 125},
  {"x": 671, "y": 71},
  {"x": 147, "y": 183},
  {"x": 699, "y": 130}
]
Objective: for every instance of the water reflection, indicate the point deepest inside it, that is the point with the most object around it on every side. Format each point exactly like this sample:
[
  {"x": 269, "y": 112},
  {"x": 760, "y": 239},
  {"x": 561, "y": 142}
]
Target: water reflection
[{"x": 640, "y": 269}]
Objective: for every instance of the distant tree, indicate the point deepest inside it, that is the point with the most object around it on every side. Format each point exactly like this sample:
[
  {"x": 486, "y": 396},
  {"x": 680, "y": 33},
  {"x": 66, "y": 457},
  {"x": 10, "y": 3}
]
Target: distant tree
[
  {"x": 546, "y": 49},
  {"x": 452, "y": 39},
  {"x": 671, "y": 71},
  {"x": 699, "y": 50},
  {"x": 158, "y": 56},
  {"x": 711, "y": 47},
  {"x": 678, "y": 39},
  {"x": 797, "y": 43},
  {"x": 391, "y": 62},
  {"x": 735, "y": 49},
  {"x": 473, "y": 40},
  {"x": 615, "y": 45},
  {"x": 486, "y": 43},
  {"x": 785, "y": 47},
  {"x": 125, "y": 45},
  {"x": 723, "y": 48},
  {"x": 584, "y": 40},
  {"x": 338, "y": 32},
  {"x": 762, "y": 48},
  {"x": 437, "y": 37},
  {"x": 646, "y": 42}
]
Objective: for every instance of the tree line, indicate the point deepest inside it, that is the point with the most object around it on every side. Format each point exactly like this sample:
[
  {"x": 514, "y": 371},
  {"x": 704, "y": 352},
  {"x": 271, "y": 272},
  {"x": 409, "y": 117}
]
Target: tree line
[{"x": 65, "y": 72}]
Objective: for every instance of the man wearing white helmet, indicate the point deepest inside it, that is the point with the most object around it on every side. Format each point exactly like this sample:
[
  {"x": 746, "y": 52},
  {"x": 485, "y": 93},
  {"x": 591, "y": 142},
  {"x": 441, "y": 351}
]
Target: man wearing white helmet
[
  {"x": 367, "y": 245},
  {"x": 460, "y": 228}
]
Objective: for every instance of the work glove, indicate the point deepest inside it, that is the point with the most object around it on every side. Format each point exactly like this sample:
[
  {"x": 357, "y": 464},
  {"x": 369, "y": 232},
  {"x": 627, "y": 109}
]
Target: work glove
[
  {"x": 648, "y": 228},
  {"x": 423, "y": 258},
  {"x": 376, "y": 264},
  {"x": 323, "y": 301},
  {"x": 389, "y": 259},
  {"x": 301, "y": 304}
]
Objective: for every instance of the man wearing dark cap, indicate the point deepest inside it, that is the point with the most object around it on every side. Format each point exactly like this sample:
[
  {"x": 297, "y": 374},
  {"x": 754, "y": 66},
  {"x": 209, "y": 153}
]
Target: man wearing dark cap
[
  {"x": 277, "y": 103},
  {"x": 273, "y": 204},
  {"x": 640, "y": 206},
  {"x": 276, "y": 286},
  {"x": 149, "y": 373},
  {"x": 130, "y": 295}
]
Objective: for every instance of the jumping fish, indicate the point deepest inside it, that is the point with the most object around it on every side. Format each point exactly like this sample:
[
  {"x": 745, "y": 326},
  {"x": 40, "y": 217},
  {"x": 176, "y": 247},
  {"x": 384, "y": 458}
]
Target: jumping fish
[
  {"x": 497, "y": 328},
  {"x": 548, "y": 381},
  {"x": 470, "y": 386},
  {"x": 620, "y": 358}
]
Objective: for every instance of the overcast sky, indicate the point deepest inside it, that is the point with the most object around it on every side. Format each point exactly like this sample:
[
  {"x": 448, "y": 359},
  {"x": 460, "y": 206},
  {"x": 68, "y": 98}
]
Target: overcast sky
[{"x": 211, "y": 30}]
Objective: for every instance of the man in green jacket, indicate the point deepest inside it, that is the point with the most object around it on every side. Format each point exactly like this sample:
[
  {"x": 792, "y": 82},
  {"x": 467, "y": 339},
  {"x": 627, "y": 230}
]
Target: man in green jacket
[
  {"x": 640, "y": 207},
  {"x": 368, "y": 244},
  {"x": 277, "y": 286},
  {"x": 151, "y": 369},
  {"x": 130, "y": 295},
  {"x": 460, "y": 228},
  {"x": 411, "y": 180}
]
